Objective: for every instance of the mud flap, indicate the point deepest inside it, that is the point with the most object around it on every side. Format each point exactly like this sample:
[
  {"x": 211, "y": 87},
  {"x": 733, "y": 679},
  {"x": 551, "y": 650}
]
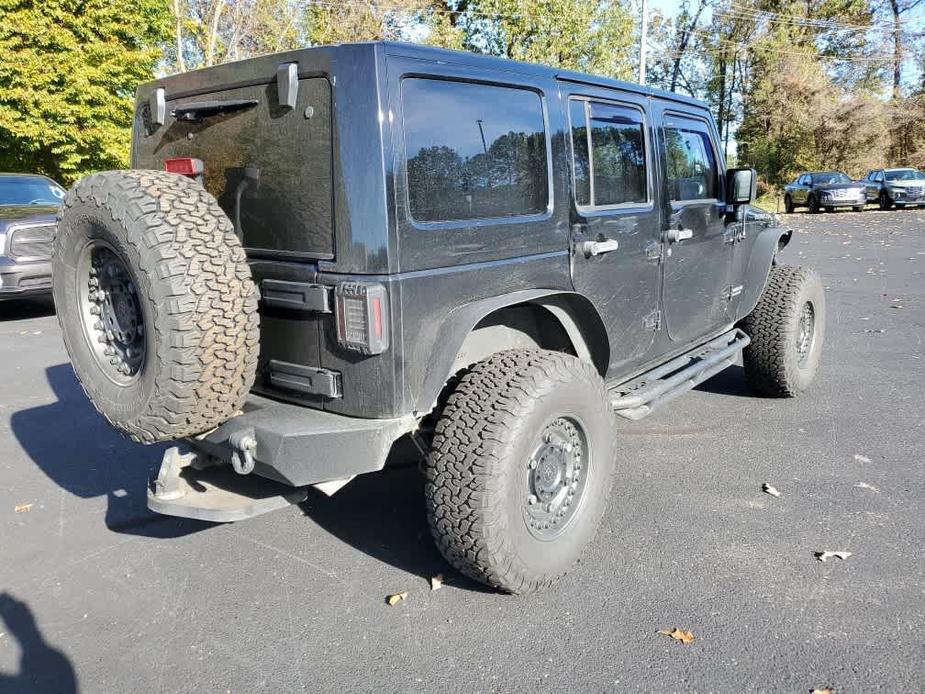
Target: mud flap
[{"x": 190, "y": 486}]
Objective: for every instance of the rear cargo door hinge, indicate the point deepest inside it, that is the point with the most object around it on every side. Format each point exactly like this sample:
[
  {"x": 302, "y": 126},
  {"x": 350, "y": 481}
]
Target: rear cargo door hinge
[
  {"x": 305, "y": 379},
  {"x": 298, "y": 296},
  {"x": 653, "y": 321}
]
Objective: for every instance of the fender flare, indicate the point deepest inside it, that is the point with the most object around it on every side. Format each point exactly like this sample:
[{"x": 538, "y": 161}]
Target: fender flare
[
  {"x": 586, "y": 333},
  {"x": 766, "y": 247}
]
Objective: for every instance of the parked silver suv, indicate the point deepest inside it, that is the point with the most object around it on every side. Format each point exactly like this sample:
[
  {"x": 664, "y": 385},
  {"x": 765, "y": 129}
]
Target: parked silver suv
[{"x": 899, "y": 187}]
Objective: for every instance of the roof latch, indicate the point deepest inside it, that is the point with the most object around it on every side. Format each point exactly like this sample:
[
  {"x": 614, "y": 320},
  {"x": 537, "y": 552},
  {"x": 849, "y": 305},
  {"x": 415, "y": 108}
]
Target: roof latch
[{"x": 287, "y": 84}]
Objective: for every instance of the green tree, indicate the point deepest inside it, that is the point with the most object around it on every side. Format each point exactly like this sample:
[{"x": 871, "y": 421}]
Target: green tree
[
  {"x": 67, "y": 81},
  {"x": 595, "y": 36}
]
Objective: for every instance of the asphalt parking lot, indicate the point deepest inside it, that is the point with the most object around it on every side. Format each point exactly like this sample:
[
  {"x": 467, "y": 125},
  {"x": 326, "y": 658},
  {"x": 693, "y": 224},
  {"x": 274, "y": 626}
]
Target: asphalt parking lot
[{"x": 97, "y": 592}]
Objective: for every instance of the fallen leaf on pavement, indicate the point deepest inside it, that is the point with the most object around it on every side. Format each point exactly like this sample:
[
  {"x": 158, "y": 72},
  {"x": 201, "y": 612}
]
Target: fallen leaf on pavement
[
  {"x": 436, "y": 582},
  {"x": 823, "y": 556},
  {"x": 678, "y": 635},
  {"x": 864, "y": 485},
  {"x": 827, "y": 690},
  {"x": 396, "y": 598},
  {"x": 768, "y": 489},
  {"x": 22, "y": 508},
  {"x": 861, "y": 458},
  {"x": 877, "y": 330}
]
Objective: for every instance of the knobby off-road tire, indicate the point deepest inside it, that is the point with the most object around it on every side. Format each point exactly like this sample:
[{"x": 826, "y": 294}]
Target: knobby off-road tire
[
  {"x": 522, "y": 429},
  {"x": 156, "y": 303},
  {"x": 786, "y": 329}
]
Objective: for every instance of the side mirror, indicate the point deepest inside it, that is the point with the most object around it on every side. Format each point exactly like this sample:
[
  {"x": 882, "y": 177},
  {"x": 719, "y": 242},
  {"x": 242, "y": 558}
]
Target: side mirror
[{"x": 742, "y": 186}]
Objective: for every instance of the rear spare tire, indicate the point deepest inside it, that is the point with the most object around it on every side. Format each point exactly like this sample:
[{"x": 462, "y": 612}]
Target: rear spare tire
[{"x": 156, "y": 303}]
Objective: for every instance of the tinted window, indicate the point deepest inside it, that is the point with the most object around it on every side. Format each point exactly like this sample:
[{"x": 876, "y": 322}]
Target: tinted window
[
  {"x": 473, "y": 150},
  {"x": 29, "y": 190},
  {"x": 691, "y": 163},
  {"x": 617, "y": 164}
]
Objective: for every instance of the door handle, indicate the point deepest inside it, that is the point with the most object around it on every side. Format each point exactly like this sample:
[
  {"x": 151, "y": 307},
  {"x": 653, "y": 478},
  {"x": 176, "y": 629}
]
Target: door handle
[
  {"x": 595, "y": 248},
  {"x": 675, "y": 235}
]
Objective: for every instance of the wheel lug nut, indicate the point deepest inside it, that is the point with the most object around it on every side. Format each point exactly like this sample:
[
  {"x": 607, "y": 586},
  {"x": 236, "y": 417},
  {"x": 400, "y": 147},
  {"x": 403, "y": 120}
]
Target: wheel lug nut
[
  {"x": 95, "y": 310},
  {"x": 533, "y": 464},
  {"x": 548, "y": 508},
  {"x": 531, "y": 499}
]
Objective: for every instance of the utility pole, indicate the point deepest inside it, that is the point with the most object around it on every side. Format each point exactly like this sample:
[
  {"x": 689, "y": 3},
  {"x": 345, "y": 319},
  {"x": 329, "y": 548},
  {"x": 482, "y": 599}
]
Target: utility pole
[{"x": 642, "y": 42}]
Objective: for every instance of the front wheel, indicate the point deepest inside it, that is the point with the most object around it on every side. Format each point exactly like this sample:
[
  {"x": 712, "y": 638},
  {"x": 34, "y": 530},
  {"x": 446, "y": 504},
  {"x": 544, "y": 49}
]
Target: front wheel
[
  {"x": 813, "y": 205},
  {"x": 884, "y": 201},
  {"x": 786, "y": 328},
  {"x": 788, "y": 204},
  {"x": 520, "y": 468}
]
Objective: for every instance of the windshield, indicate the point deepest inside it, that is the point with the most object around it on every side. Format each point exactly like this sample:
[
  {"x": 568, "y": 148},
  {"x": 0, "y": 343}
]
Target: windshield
[
  {"x": 29, "y": 190},
  {"x": 827, "y": 178},
  {"x": 905, "y": 175}
]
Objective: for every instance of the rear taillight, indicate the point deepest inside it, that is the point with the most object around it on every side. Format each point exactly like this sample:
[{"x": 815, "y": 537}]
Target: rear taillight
[
  {"x": 362, "y": 317},
  {"x": 185, "y": 166}
]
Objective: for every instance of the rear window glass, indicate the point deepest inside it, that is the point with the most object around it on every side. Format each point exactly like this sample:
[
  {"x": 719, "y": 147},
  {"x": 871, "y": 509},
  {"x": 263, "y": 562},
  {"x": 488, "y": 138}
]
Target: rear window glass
[
  {"x": 691, "y": 163},
  {"x": 473, "y": 151}
]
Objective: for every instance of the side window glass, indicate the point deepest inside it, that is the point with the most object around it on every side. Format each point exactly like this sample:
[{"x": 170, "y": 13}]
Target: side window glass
[
  {"x": 691, "y": 162},
  {"x": 473, "y": 151},
  {"x": 608, "y": 144}
]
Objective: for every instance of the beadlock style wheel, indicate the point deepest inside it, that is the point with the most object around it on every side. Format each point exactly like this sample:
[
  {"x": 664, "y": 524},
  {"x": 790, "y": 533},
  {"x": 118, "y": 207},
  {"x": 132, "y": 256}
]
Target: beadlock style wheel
[{"x": 110, "y": 312}]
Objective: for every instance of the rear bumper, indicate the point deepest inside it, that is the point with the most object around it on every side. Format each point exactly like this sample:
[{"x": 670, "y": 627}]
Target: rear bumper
[
  {"x": 299, "y": 446},
  {"x": 19, "y": 279}
]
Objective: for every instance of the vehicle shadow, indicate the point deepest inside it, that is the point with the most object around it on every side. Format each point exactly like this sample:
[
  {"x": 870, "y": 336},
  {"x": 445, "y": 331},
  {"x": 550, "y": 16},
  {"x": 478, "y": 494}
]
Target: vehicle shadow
[
  {"x": 729, "y": 381},
  {"x": 21, "y": 309},
  {"x": 42, "y": 668},
  {"x": 78, "y": 450},
  {"x": 383, "y": 516}
]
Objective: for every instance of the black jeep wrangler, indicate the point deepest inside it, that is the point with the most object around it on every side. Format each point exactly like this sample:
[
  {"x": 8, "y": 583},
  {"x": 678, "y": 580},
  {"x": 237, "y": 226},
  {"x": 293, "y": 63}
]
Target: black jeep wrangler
[{"x": 321, "y": 254}]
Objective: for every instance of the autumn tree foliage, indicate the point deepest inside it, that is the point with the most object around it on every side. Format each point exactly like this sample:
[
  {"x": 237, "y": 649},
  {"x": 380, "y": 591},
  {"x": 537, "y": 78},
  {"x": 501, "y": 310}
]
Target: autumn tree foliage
[{"x": 68, "y": 74}]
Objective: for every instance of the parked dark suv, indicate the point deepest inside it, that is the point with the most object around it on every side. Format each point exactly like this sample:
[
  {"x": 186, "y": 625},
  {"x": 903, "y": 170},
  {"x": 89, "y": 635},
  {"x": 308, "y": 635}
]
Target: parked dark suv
[
  {"x": 28, "y": 207},
  {"x": 826, "y": 190},
  {"x": 323, "y": 253},
  {"x": 899, "y": 187}
]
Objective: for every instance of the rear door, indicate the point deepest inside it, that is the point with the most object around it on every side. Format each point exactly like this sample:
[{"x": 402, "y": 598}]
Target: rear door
[
  {"x": 615, "y": 229},
  {"x": 699, "y": 253},
  {"x": 270, "y": 168}
]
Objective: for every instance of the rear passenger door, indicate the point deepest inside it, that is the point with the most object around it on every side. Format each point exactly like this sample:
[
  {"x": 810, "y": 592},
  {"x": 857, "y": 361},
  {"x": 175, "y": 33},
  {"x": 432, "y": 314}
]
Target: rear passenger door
[
  {"x": 615, "y": 231},
  {"x": 696, "y": 293}
]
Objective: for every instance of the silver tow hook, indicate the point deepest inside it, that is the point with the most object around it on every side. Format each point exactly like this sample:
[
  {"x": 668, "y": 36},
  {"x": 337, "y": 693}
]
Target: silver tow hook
[{"x": 243, "y": 444}]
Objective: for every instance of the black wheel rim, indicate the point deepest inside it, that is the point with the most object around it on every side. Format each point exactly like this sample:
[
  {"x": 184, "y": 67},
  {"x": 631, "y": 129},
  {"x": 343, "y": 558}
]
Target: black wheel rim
[
  {"x": 557, "y": 475},
  {"x": 112, "y": 317},
  {"x": 806, "y": 333}
]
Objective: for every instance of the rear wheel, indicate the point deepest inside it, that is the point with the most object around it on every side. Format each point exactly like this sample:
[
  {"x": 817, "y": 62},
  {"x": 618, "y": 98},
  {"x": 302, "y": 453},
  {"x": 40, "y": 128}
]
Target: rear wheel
[
  {"x": 520, "y": 468},
  {"x": 788, "y": 204},
  {"x": 156, "y": 303},
  {"x": 786, "y": 328}
]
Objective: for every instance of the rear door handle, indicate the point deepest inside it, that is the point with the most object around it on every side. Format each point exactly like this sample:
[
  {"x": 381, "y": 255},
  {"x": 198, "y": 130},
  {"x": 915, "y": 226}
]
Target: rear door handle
[
  {"x": 675, "y": 235},
  {"x": 594, "y": 248}
]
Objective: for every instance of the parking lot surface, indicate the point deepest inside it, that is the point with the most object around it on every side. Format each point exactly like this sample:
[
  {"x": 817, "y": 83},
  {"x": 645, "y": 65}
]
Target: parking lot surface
[{"x": 99, "y": 594}]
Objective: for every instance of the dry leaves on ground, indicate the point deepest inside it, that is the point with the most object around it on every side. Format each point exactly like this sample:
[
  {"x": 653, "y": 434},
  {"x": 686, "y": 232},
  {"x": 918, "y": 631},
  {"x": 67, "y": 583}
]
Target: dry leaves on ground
[
  {"x": 769, "y": 489},
  {"x": 436, "y": 582},
  {"x": 824, "y": 556},
  {"x": 861, "y": 458},
  {"x": 825, "y": 690},
  {"x": 678, "y": 634},
  {"x": 22, "y": 508},
  {"x": 396, "y": 598}
]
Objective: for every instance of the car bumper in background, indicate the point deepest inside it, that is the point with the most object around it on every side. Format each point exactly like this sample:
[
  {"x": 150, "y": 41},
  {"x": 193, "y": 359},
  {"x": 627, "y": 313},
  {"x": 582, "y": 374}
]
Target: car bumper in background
[
  {"x": 843, "y": 202},
  {"x": 24, "y": 278}
]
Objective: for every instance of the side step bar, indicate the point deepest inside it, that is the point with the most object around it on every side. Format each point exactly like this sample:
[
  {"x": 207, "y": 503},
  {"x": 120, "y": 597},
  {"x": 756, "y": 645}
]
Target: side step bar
[{"x": 637, "y": 398}]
